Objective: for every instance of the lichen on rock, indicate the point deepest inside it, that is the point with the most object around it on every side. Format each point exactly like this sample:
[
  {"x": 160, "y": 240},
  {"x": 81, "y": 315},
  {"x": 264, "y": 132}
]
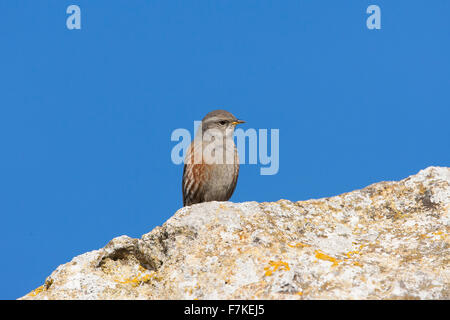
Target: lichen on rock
[{"x": 386, "y": 241}]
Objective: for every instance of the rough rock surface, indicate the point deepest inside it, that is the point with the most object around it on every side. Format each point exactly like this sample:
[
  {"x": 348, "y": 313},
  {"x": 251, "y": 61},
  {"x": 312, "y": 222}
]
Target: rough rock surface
[{"x": 386, "y": 241}]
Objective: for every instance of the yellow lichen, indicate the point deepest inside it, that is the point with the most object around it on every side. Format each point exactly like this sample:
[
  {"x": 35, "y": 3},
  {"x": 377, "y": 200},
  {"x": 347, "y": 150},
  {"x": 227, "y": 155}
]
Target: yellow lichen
[
  {"x": 299, "y": 244},
  {"x": 350, "y": 253},
  {"x": 274, "y": 266},
  {"x": 142, "y": 269},
  {"x": 356, "y": 263},
  {"x": 138, "y": 280},
  {"x": 36, "y": 291},
  {"x": 443, "y": 235},
  {"x": 323, "y": 256}
]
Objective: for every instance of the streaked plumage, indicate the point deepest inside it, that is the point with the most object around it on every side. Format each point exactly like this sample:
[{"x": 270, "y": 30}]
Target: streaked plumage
[{"x": 204, "y": 180}]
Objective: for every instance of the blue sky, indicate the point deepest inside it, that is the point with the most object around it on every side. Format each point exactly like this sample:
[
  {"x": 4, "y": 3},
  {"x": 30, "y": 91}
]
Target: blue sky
[{"x": 86, "y": 115}]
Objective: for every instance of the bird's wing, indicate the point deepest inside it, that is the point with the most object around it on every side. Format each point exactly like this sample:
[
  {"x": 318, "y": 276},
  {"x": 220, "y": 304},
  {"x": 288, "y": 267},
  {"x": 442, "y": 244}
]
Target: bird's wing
[
  {"x": 236, "y": 174},
  {"x": 193, "y": 175}
]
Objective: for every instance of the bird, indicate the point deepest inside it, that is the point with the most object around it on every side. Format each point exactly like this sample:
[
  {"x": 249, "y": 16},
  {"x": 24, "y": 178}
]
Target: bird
[{"x": 211, "y": 164}]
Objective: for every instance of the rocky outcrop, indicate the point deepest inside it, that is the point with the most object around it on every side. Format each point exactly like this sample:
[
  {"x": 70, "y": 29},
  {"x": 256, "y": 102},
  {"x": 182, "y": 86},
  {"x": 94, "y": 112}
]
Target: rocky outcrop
[{"x": 386, "y": 241}]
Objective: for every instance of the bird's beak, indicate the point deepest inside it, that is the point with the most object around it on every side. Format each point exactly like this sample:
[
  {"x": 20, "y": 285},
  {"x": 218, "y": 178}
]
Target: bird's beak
[{"x": 238, "y": 122}]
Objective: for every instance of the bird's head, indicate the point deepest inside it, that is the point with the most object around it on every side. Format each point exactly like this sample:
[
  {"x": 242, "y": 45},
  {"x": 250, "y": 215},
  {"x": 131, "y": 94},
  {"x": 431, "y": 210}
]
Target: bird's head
[{"x": 221, "y": 121}]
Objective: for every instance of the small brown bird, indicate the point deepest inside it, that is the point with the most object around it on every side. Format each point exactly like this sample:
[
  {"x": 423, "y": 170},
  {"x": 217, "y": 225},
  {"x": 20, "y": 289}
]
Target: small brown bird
[{"x": 211, "y": 165}]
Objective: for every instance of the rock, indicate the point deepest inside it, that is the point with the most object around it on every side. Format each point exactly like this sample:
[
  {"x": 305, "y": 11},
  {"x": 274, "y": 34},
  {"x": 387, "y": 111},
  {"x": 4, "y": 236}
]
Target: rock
[{"x": 386, "y": 241}]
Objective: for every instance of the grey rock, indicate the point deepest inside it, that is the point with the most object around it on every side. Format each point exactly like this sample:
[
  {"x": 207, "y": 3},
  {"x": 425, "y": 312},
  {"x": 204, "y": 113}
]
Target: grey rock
[{"x": 386, "y": 241}]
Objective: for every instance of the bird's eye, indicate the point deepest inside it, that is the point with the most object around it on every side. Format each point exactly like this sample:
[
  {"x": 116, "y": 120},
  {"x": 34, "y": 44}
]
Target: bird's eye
[{"x": 222, "y": 123}]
